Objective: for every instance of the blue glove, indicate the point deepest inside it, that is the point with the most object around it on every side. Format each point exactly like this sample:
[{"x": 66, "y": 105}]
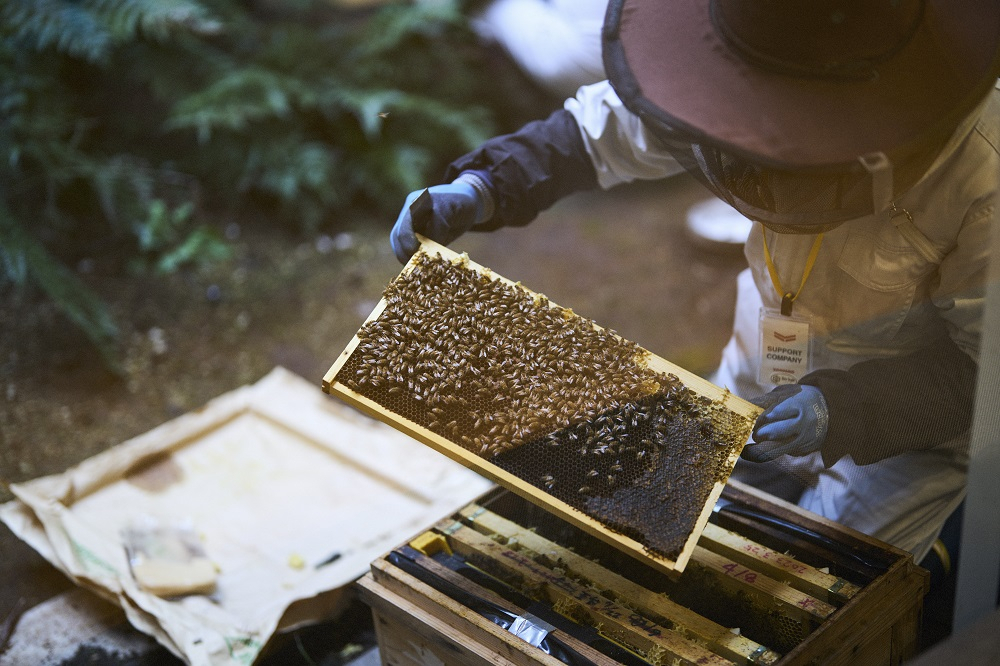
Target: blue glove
[
  {"x": 794, "y": 422},
  {"x": 453, "y": 210}
]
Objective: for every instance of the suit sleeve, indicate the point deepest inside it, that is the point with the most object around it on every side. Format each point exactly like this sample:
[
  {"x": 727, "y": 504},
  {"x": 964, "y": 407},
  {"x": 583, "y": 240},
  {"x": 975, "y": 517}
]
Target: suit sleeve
[
  {"x": 531, "y": 169},
  {"x": 884, "y": 407},
  {"x": 594, "y": 141}
]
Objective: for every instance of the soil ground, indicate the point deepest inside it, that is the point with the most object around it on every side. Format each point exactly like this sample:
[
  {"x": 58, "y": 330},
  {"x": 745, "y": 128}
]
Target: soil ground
[{"x": 620, "y": 258}]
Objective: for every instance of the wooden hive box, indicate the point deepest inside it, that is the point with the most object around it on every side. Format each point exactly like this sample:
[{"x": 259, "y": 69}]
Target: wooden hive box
[
  {"x": 501, "y": 582},
  {"x": 625, "y": 445}
]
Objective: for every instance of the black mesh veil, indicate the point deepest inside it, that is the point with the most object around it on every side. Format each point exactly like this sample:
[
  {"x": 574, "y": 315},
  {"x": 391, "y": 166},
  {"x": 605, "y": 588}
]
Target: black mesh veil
[
  {"x": 789, "y": 200},
  {"x": 794, "y": 199}
]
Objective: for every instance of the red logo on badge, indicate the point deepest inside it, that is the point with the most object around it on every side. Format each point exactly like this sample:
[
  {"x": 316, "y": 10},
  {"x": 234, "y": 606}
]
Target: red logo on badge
[{"x": 785, "y": 338}]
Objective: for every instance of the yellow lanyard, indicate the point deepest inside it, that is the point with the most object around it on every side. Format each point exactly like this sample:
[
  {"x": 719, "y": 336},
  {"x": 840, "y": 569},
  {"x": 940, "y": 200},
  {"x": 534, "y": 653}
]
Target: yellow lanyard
[{"x": 787, "y": 297}]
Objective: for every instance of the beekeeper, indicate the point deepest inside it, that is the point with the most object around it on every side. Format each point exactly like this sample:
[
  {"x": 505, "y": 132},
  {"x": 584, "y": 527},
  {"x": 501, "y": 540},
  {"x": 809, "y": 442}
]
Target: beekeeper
[{"x": 862, "y": 139}]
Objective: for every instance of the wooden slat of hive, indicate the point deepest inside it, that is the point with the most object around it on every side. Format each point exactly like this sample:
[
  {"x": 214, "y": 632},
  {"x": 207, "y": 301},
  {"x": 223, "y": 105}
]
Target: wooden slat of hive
[
  {"x": 657, "y": 607},
  {"x": 865, "y": 557},
  {"x": 407, "y": 586},
  {"x": 880, "y": 623},
  {"x": 831, "y": 589},
  {"x": 613, "y": 620},
  {"x": 592, "y": 526},
  {"x": 765, "y": 593},
  {"x": 775, "y": 604},
  {"x": 416, "y": 624}
]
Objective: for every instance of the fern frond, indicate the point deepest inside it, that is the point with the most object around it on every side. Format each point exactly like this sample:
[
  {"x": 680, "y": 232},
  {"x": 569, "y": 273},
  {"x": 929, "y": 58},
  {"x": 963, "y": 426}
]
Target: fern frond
[
  {"x": 70, "y": 28},
  {"x": 90, "y": 29},
  {"x": 157, "y": 19},
  {"x": 392, "y": 28},
  {"x": 201, "y": 246},
  {"x": 369, "y": 106},
  {"x": 235, "y": 101},
  {"x": 290, "y": 168}
]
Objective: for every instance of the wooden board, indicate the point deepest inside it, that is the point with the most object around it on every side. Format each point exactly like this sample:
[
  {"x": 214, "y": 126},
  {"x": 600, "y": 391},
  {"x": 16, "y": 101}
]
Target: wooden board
[
  {"x": 742, "y": 411},
  {"x": 776, "y": 565},
  {"x": 880, "y": 623},
  {"x": 784, "y": 610},
  {"x": 617, "y": 622},
  {"x": 659, "y": 607},
  {"x": 453, "y": 622}
]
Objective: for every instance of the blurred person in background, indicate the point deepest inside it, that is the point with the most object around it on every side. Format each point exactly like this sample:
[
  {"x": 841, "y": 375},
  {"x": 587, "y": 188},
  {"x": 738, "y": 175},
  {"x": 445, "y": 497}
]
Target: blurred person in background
[
  {"x": 557, "y": 43},
  {"x": 862, "y": 140}
]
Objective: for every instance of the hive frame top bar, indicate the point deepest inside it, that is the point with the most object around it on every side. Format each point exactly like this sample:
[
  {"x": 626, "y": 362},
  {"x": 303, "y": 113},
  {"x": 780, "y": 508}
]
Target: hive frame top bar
[{"x": 535, "y": 495}]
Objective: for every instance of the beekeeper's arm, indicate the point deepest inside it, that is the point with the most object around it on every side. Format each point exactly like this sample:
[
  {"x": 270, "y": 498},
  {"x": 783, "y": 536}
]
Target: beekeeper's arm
[
  {"x": 594, "y": 141},
  {"x": 884, "y": 407}
]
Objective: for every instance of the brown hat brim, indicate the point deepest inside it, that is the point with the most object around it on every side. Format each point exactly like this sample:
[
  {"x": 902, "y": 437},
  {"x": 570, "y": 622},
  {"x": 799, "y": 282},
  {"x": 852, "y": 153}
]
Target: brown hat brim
[{"x": 670, "y": 66}]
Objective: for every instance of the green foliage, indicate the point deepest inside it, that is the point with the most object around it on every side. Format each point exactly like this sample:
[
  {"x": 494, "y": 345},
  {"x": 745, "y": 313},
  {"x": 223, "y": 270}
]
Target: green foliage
[
  {"x": 90, "y": 29},
  {"x": 323, "y": 117},
  {"x": 166, "y": 244},
  {"x": 134, "y": 124}
]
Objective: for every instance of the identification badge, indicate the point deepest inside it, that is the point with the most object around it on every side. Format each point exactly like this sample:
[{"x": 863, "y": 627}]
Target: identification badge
[{"x": 784, "y": 348}]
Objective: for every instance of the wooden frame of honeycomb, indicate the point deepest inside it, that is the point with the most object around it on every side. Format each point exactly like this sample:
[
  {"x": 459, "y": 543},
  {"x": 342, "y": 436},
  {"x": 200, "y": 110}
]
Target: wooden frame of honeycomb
[{"x": 571, "y": 416}]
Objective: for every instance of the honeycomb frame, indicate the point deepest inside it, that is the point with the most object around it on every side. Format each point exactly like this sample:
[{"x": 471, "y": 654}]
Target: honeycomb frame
[{"x": 712, "y": 405}]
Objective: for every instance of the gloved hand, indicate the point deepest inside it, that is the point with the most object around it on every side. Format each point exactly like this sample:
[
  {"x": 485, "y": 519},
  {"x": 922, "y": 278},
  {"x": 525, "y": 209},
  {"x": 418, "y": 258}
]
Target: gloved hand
[
  {"x": 794, "y": 422},
  {"x": 454, "y": 209}
]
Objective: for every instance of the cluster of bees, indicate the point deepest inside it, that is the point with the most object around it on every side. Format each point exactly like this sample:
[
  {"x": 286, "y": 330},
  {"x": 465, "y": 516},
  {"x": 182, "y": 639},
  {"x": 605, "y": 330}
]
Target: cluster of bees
[
  {"x": 563, "y": 404},
  {"x": 645, "y": 469},
  {"x": 490, "y": 365},
  {"x": 616, "y": 448}
]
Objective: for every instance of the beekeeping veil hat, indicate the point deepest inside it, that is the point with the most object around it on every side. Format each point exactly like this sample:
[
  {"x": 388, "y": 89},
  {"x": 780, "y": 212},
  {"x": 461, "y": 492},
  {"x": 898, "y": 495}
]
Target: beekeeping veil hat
[{"x": 803, "y": 113}]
